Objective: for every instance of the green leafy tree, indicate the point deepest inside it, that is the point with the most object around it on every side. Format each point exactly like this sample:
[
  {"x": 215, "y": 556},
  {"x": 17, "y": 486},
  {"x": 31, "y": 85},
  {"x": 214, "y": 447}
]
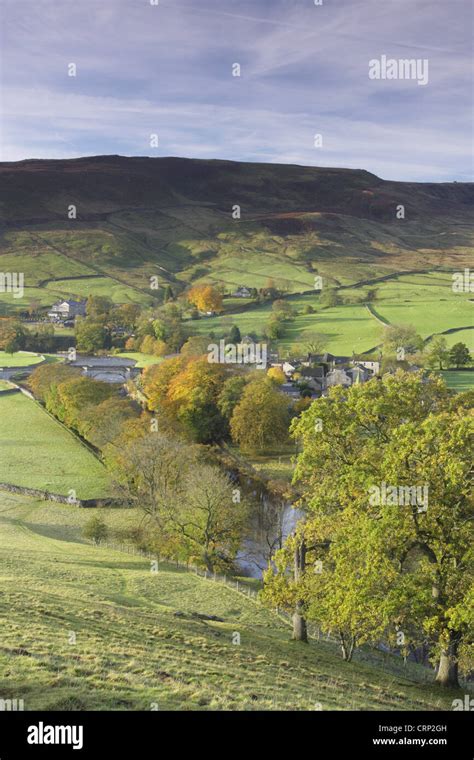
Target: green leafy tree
[
  {"x": 96, "y": 529},
  {"x": 169, "y": 295},
  {"x": 234, "y": 335},
  {"x": 329, "y": 298},
  {"x": 90, "y": 336},
  {"x": 191, "y": 504},
  {"x": 459, "y": 355},
  {"x": 12, "y": 335},
  {"x": 396, "y": 337},
  {"x": 375, "y": 569},
  {"x": 438, "y": 354},
  {"x": 231, "y": 394},
  {"x": 275, "y": 328}
]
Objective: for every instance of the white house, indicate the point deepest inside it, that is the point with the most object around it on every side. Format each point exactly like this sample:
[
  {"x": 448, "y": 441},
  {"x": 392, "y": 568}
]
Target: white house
[
  {"x": 288, "y": 367},
  {"x": 241, "y": 292},
  {"x": 67, "y": 309},
  {"x": 372, "y": 366}
]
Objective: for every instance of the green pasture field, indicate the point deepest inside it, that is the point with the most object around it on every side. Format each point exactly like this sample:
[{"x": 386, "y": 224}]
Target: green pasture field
[
  {"x": 459, "y": 380},
  {"x": 38, "y": 452},
  {"x": 98, "y": 286},
  {"x": 19, "y": 359},
  {"x": 426, "y": 301},
  {"x": 139, "y": 643}
]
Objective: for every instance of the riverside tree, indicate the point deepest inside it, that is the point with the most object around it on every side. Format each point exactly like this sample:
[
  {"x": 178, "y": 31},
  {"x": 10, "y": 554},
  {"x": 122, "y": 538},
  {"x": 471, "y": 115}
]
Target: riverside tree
[
  {"x": 394, "y": 567},
  {"x": 190, "y": 505}
]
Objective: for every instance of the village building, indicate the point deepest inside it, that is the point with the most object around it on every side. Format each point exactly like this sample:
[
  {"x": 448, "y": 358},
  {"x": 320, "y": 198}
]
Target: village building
[
  {"x": 67, "y": 309},
  {"x": 241, "y": 292},
  {"x": 338, "y": 377}
]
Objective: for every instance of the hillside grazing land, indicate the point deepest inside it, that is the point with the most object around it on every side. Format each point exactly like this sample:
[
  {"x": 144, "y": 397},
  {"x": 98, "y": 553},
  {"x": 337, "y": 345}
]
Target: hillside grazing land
[
  {"x": 139, "y": 218},
  {"x": 423, "y": 300},
  {"x": 93, "y": 628},
  {"x": 36, "y": 451}
]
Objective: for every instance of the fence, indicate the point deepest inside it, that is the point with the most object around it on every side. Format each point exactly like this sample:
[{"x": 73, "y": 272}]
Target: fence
[
  {"x": 230, "y": 582},
  {"x": 57, "y": 497},
  {"x": 240, "y": 587}
]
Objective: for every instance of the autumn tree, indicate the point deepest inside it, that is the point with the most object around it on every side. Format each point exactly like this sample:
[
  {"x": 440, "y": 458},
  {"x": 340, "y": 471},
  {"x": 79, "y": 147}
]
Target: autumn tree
[
  {"x": 196, "y": 345},
  {"x": 69, "y": 400},
  {"x": 102, "y": 423},
  {"x": 276, "y": 375},
  {"x": 44, "y": 377},
  {"x": 98, "y": 308},
  {"x": 206, "y": 298},
  {"x": 186, "y": 389},
  {"x": 12, "y": 335},
  {"x": 126, "y": 315},
  {"x": 261, "y": 418}
]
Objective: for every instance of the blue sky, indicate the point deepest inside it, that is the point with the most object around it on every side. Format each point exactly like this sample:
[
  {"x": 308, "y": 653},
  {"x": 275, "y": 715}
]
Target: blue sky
[{"x": 167, "y": 70}]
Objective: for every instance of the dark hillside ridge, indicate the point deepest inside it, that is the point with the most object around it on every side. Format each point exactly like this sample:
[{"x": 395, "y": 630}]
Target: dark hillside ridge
[{"x": 36, "y": 191}]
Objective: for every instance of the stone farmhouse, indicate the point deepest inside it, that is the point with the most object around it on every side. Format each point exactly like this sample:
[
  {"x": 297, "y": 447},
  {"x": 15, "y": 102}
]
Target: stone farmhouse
[{"x": 67, "y": 309}]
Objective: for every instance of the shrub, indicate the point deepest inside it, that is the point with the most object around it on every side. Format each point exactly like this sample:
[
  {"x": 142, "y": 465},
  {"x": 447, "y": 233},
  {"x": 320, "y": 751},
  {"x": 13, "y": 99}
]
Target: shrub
[{"x": 95, "y": 529}]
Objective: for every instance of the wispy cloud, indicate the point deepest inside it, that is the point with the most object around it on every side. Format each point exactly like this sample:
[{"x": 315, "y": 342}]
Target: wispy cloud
[{"x": 167, "y": 69}]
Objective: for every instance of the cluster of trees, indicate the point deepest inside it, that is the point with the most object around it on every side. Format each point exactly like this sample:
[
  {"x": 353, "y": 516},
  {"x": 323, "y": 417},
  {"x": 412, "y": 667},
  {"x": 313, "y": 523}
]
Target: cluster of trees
[
  {"x": 93, "y": 409},
  {"x": 192, "y": 509},
  {"x": 15, "y": 337},
  {"x": 160, "y": 333},
  {"x": 397, "y": 570},
  {"x": 211, "y": 403},
  {"x": 282, "y": 312},
  {"x": 439, "y": 356},
  {"x": 402, "y": 344},
  {"x": 97, "y": 331}
]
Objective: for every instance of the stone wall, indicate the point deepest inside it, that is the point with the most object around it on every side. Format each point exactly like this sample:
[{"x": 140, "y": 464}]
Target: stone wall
[{"x": 57, "y": 497}]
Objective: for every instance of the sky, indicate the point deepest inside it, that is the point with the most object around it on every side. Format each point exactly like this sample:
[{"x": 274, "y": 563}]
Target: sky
[{"x": 167, "y": 70}]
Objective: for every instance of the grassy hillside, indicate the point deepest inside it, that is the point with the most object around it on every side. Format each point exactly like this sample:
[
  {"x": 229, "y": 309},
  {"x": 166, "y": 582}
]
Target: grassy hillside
[
  {"x": 142, "y": 218},
  {"x": 424, "y": 300},
  {"x": 172, "y": 218},
  {"x": 140, "y": 643},
  {"x": 31, "y": 441}
]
